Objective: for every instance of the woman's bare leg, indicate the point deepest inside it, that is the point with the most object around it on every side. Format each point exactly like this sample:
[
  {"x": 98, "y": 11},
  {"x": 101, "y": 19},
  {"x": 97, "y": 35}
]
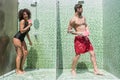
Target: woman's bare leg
[
  {"x": 18, "y": 47},
  {"x": 25, "y": 53}
]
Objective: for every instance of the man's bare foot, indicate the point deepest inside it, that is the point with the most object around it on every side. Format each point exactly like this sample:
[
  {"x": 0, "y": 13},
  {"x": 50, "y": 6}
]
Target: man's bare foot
[
  {"x": 98, "y": 73},
  {"x": 19, "y": 72},
  {"x": 73, "y": 72}
]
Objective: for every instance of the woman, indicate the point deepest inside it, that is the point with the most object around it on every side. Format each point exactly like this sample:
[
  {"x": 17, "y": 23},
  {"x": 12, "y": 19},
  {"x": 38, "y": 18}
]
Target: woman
[{"x": 18, "y": 40}]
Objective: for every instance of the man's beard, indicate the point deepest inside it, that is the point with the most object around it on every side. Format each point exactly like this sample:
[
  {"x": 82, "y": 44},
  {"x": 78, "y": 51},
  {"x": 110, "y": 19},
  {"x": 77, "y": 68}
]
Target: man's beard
[{"x": 80, "y": 13}]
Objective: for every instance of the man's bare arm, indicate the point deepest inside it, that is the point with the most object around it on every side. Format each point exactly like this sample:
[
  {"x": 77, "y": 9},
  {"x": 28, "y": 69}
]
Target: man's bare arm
[
  {"x": 70, "y": 27},
  {"x": 87, "y": 28}
]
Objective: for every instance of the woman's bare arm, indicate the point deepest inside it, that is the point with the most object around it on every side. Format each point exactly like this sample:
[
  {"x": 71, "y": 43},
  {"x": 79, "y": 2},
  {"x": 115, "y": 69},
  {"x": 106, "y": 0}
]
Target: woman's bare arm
[{"x": 22, "y": 29}]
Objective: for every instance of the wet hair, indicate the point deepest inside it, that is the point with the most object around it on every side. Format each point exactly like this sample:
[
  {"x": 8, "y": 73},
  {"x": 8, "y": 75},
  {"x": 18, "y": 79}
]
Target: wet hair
[
  {"x": 21, "y": 13},
  {"x": 77, "y": 6}
]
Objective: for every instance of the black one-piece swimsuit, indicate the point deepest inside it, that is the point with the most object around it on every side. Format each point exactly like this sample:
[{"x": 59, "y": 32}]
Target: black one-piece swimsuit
[{"x": 20, "y": 35}]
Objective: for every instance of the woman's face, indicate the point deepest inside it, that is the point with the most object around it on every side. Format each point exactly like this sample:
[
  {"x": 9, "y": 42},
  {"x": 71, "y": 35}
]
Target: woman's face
[{"x": 25, "y": 15}]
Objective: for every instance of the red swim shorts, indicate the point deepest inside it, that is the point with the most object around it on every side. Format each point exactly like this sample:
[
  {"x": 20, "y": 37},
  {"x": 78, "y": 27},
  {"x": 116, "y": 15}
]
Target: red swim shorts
[{"x": 82, "y": 44}]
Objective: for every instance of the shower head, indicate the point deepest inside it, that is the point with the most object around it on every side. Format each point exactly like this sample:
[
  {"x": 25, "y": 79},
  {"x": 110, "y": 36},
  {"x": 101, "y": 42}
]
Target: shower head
[
  {"x": 80, "y": 2},
  {"x": 34, "y": 4}
]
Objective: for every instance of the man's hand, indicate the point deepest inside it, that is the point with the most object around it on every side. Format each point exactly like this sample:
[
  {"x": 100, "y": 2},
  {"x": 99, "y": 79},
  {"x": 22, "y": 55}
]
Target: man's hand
[
  {"x": 69, "y": 31},
  {"x": 80, "y": 33}
]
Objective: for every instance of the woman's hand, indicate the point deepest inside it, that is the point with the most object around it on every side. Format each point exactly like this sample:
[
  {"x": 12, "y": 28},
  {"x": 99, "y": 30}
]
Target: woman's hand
[
  {"x": 30, "y": 43},
  {"x": 30, "y": 22}
]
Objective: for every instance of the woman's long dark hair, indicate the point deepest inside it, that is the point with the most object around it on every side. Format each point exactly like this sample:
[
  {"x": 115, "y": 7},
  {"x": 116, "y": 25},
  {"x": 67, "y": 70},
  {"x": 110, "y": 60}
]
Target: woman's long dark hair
[{"x": 21, "y": 13}]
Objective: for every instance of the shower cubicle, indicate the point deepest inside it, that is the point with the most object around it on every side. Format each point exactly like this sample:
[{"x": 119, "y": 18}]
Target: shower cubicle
[{"x": 51, "y": 54}]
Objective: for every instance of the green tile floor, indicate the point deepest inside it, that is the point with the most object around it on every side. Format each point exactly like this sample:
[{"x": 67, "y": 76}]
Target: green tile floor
[
  {"x": 50, "y": 74},
  {"x": 37, "y": 74},
  {"x": 86, "y": 75}
]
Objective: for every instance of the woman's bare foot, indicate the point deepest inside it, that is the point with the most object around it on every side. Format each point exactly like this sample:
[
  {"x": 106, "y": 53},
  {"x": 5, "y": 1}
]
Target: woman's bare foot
[
  {"x": 98, "y": 73},
  {"x": 22, "y": 70},
  {"x": 73, "y": 72},
  {"x": 19, "y": 72}
]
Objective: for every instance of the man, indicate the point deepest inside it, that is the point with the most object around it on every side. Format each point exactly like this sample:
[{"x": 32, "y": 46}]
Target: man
[{"x": 82, "y": 43}]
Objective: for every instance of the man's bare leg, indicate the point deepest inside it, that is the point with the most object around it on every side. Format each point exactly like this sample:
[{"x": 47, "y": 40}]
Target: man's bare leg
[
  {"x": 93, "y": 60},
  {"x": 75, "y": 60}
]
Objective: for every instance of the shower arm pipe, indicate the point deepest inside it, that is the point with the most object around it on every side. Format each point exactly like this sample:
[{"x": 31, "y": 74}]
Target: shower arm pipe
[{"x": 36, "y": 8}]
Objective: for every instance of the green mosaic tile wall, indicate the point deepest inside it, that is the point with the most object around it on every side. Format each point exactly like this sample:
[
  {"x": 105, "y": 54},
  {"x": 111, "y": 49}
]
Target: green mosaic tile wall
[
  {"x": 39, "y": 49},
  {"x": 43, "y": 52},
  {"x": 93, "y": 13},
  {"x": 111, "y": 27}
]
